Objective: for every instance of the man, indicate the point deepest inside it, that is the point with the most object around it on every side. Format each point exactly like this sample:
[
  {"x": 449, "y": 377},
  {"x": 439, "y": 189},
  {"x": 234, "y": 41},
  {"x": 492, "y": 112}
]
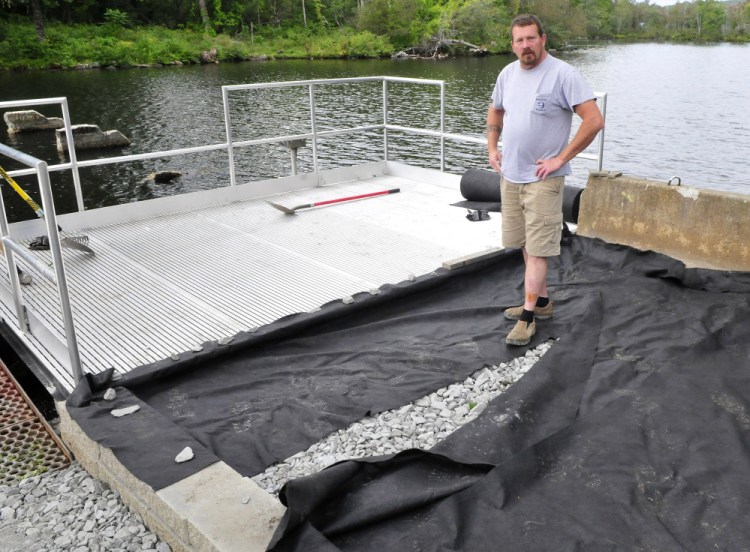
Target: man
[{"x": 532, "y": 105}]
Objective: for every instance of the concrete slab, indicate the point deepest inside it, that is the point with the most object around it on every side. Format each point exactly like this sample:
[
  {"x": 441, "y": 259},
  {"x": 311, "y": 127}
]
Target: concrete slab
[
  {"x": 224, "y": 511},
  {"x": 215, "y": 510}
]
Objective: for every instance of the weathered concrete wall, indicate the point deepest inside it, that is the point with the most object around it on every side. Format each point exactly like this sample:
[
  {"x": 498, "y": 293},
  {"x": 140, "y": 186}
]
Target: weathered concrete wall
[
  {"x": 701, "y": 227},
  {"x": 30, "y": 120},
  {"x": 91, "y": 137}
]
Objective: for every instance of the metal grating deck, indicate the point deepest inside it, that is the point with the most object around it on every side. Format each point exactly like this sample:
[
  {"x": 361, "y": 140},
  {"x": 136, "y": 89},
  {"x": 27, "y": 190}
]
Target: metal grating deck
[
  {"x": 166, "y": 284},
  {"x": 27, "y": 446}
]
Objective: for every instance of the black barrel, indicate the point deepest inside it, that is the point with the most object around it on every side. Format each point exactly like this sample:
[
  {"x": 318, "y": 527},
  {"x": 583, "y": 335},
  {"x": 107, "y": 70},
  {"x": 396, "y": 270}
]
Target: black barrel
[
  {"x": 481, "y": 190},
  {"x": 571, "y": 203},
  {"x": 480, "y": 185}
]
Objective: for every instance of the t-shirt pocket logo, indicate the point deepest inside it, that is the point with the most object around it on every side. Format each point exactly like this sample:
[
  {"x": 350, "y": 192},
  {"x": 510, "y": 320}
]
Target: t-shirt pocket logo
[{"x": 542, "y": 103}]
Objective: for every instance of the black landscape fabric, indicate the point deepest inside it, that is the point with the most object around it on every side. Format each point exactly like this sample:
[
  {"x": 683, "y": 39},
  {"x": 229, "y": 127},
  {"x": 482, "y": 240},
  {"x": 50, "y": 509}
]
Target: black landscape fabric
[{"x": 631, "y": 433}]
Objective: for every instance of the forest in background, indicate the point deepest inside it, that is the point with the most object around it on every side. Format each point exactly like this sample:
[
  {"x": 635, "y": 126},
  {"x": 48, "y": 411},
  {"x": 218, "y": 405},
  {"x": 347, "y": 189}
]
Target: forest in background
[{"x": 37, "y": 34}]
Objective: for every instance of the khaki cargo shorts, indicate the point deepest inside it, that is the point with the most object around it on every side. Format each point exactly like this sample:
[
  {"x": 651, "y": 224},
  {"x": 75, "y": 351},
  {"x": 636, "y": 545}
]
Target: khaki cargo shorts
[{"x": 532, "y": 215}]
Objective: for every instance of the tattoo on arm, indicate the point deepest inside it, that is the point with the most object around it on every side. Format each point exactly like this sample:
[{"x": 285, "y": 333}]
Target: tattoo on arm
[{"x": 494, "y": 128}]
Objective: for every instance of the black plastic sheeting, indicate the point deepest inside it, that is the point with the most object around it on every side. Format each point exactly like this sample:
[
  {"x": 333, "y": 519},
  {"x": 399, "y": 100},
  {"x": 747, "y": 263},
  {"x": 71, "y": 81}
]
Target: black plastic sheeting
[
  {"x": 631, "y": 433},
  {"x": 481, "y": 191}
]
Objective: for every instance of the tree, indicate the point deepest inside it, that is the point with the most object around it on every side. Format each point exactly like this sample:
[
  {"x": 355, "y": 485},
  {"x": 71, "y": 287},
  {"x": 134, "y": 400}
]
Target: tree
[
  {"x": 37, "y": 15},
  {"x": 204, "y": 15},
  {"x": 598, "y": 17},
  {"x": 624, "y": 16},
  {"x": 482, "y": 22},
  {"x": 709, "y": 17},
  {"x": 561, "y": 21},
  {"x": 36, "y": 11},
  {"x": 392, "y": 18}
]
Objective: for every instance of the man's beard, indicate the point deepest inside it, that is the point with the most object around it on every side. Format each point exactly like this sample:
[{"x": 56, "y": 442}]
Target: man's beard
[{"x": 529, "y": 57}]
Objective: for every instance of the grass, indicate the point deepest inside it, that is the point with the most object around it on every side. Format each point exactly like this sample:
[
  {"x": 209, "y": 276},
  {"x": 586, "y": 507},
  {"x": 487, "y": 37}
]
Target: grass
[{"x": 75, "y": 46}]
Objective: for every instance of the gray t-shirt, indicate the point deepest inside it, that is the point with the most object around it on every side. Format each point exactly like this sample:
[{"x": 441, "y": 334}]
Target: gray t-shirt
[{"x": 538, "y": 106}]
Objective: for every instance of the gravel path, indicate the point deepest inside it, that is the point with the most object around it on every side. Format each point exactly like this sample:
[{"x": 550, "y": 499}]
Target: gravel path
[{"x": 70, "y": 511}]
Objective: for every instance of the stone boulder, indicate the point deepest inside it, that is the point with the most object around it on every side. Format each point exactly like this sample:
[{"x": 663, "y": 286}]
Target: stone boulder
[
  {"x": 91, "y": 137},
  {"x": 209, "y": 56},
  {"x": 30, "y": 120},
  {"x": 163, "y": 176}
]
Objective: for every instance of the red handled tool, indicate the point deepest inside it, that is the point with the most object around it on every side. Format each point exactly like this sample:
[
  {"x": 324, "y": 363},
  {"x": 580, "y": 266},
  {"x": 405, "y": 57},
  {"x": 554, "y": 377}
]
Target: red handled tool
[{"x": 292, "y": 210}]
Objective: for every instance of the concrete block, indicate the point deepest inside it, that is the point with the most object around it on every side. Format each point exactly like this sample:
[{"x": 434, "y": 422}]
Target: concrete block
[
  {"x": 120, "y": 478},
  {"x": 101, "y": 463},
  {"x": 30, "y": 120},
  {"x": 699, "y": 226},
  {"x": 90, "y": 137},
  {"x": 224, "y": 511},
  {"x": 158, "y": 526},
  {"x": 174, "y": 534}
]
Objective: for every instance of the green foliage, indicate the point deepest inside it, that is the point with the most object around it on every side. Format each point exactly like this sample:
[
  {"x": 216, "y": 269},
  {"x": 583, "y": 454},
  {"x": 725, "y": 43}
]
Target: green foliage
[
  {"x": 229, "y": 21},
  {"x": 159, "y": 31},
  {"x": 482, "y": 22},
  {"x": 116, "y": 18},
  {"x": 397, "y": 19},
  {"x": 363, "y": 44},
  {"x": 70, "y": 46}
]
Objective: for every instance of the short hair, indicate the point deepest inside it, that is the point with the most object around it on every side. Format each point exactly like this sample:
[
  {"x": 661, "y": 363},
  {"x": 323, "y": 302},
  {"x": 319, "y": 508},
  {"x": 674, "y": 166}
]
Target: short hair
[{"x": 526, "y": 19}]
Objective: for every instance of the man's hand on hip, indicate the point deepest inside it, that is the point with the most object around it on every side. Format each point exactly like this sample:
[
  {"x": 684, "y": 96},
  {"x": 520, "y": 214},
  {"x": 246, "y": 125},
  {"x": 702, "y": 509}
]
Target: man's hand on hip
[{"x": 545, "y": 167}]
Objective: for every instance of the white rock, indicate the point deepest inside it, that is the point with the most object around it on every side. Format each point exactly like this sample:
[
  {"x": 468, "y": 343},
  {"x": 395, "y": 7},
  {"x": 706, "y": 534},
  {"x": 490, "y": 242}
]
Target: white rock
[
  {"x": 120, "y": 412},
  {"x": 110, "y": 394},
  {"x": 185, "y": 455}
]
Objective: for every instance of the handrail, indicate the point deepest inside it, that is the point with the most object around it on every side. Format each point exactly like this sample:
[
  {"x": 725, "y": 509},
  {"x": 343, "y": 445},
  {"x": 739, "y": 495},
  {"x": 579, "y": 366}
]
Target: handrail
[
  {"x": 315, "y": 134},
  {"x": 58, "y": 276},
  {"x": 229, "y": 145}
]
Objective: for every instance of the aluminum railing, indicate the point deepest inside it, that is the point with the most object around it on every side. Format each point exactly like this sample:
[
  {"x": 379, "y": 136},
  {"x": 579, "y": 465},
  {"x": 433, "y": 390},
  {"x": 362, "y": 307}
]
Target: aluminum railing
[
  {"x": 41, "y": 169},
  {"x": 55, "y": 276},
  {"x": 314, "y": 135}
]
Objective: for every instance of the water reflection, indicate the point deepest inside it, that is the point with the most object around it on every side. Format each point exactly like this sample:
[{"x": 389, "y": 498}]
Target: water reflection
[{"x": 673, "y": 109}]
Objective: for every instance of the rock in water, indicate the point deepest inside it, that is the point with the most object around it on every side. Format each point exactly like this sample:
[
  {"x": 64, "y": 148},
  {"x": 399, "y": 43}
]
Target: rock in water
[{"x": 30, "y": 120}]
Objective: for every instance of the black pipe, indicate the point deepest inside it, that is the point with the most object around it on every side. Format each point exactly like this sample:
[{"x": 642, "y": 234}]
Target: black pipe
[{"x": 481, "y": 190}]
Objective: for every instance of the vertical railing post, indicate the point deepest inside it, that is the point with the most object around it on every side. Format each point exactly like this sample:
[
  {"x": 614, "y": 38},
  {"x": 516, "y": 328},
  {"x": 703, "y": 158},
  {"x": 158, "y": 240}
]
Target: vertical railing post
[
  {"x": 62, "y": 285},
  {"x": 72, "y": 154},
  {"x": 15, "y": 283},
  {"x": 442, "y": 127},
  {"x": 600, "y": 160},
  {"x": 228, "y": 125},
  {"x": 385, "y": 118},
  {"x": 313, "y": 130}
]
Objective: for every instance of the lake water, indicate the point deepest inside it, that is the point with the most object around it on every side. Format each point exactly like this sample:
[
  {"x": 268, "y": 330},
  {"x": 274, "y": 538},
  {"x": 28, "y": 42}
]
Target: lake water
[{"x": 672, "y": 110}]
